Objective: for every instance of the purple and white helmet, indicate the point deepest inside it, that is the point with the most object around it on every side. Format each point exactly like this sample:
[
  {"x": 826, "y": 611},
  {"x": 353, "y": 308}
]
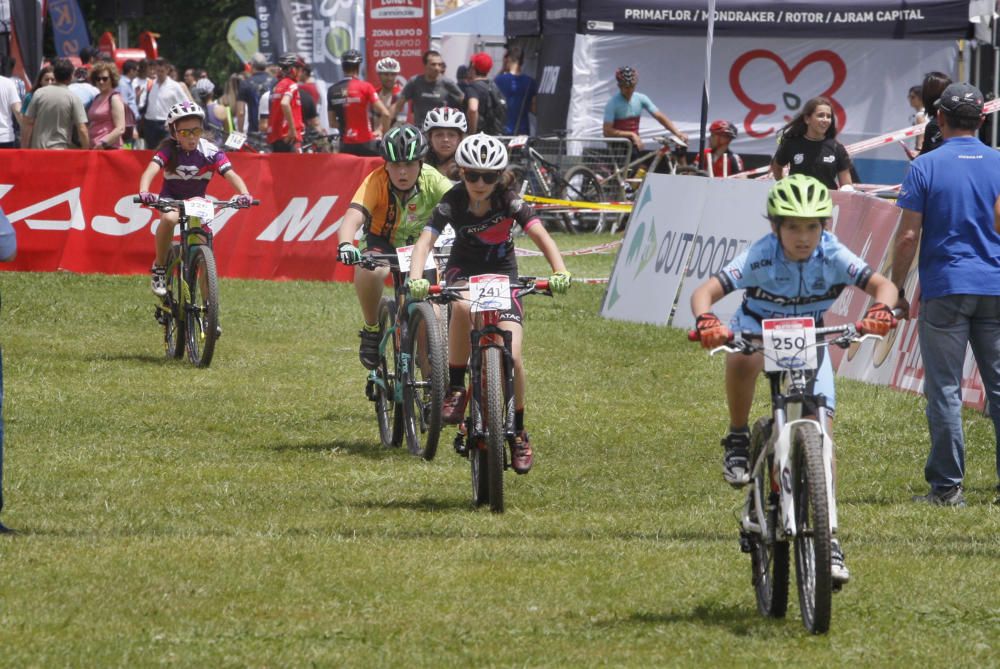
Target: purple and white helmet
[{"x": 184, "y": 110}]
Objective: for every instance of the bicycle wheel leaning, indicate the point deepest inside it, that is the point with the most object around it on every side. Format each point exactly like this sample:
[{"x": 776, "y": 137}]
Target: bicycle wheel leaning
[
  {"x": 203, "y": 309},
  {"x": 425, "y": 382},
  {"x": 387, "y": 410},
  {"x": 582, "y": 185},
  {"x": 768, "y": 558},
  {"x": 172, "y": 315},
  {"x": 812, "y": 520},
  {"x": 496, "y": 439}
]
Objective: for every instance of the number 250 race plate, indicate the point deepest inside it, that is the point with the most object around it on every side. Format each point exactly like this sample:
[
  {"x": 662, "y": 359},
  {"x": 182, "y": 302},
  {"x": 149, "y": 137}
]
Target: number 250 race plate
[{"x": 789, "y": 343}]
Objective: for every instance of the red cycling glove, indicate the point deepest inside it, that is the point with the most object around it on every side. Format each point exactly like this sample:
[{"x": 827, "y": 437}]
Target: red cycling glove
[
  {"x": 877, "y": 321},
  {"x": 711, "y": 331}
]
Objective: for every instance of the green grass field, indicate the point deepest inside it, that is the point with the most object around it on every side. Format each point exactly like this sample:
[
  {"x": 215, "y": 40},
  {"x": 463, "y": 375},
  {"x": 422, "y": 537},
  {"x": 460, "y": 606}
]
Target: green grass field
[{"x": 245, "y": 515}]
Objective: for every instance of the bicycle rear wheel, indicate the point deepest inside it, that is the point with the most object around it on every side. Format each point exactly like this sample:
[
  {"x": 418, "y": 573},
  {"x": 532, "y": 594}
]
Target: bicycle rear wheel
[
  {"x": 426, "y": 381},
  {"x": 203, "y": 309},
  {"x": 387, "y": 410},
  {"x": 496, "y": 440},
  {"x": 582, "y": 185},
  {"x": 172, "y": 310},
  {"x": 768, "y": 558},
  {"x": 812, "y": 520}
]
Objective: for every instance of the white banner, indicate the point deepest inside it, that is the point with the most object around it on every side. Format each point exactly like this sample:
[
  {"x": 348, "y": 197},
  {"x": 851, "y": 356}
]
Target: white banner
[{"x": 757, "y": 84}]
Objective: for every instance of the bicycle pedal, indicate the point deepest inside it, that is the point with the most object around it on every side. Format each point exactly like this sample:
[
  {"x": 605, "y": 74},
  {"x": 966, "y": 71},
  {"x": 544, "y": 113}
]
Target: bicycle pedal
[
  {"x": 459, "y": 444},
  {"x": 745, "y": 544}
]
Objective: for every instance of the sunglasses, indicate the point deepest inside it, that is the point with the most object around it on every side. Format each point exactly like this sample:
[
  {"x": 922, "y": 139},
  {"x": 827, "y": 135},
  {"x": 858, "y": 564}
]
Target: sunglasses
[
  {"x": 190, "y": 132},
  {"x": 487, "y": 177},
  {"x": 102, "y": 78}
]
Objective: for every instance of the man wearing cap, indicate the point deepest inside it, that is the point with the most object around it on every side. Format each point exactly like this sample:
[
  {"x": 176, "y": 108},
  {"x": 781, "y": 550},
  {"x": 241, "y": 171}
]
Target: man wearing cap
[
  {"x": 479, "y": 97},
  {"x": 429, "y": 90},
  {"x": 950, "y": 202}
]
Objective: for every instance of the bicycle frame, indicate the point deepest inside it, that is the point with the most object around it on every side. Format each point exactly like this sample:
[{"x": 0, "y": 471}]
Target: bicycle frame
[{"x": 485, "y": 337}]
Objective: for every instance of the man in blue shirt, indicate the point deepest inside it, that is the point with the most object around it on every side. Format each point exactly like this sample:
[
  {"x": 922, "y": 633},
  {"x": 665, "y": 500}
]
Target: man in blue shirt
[
  {"x": 622, "y": 113},
  {"x": 519, "y": 90},
  {"x": 8, "y": 249},
  {"x": 948, "y": 200}
]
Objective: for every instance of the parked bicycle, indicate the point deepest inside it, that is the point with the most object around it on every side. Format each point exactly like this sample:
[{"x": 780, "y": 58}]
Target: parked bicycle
[
  {"x": 791, "y": 495},
  {"x": 410, "y": 381},
  {"x": 487, "y": 435},
  {"x": 189, "y": 312},
  {"x": 543, "y": 178}
]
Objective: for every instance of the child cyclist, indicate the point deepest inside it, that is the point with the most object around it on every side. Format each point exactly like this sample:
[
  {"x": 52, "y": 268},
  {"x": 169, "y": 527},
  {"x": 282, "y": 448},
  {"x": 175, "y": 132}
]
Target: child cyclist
[
  {"x": 188, "y": 162},
  {"x": 798, "y": 270},
  {"x": 719, "y": 160},
  {"x": 445, "y": 127},
  {"x": 483, "y": 210},
  {"x": 392, "y": 205}
]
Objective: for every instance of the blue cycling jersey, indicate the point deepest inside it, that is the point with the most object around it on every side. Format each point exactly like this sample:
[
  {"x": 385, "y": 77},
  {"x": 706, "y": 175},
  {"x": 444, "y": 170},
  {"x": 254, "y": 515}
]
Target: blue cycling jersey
[
  {"x": 624, "y": 114},
  {"x": 776, "y": 287}
]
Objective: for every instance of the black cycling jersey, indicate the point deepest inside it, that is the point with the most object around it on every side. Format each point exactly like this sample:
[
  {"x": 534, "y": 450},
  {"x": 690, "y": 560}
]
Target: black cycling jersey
[{"x": 823, "y": 159}]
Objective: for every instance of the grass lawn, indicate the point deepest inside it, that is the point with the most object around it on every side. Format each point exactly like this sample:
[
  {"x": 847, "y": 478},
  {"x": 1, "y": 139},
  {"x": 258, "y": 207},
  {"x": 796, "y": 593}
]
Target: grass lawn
[{"x": 245, "y": 515}]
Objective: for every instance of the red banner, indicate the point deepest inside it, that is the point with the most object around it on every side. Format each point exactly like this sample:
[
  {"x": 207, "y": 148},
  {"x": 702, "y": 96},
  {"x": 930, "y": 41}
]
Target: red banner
[
  {"x": 400, "y": 29},
  {"x": 73, "y": 210}
]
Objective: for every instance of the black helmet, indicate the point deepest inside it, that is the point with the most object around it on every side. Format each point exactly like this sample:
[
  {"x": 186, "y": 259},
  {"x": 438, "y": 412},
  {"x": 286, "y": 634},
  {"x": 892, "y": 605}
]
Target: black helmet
[
  {"x": 626, "y": 76},
  {"x": 290, "y": 59},
  {"x": 404, "y": 143},
  {"x": 351, "y": 57}
]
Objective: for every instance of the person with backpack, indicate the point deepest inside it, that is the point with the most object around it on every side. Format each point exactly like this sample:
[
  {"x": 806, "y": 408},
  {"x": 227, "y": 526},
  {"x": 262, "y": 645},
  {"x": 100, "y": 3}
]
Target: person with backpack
[
  {"x": 257, "y": 85},
  {"x": 486, "y": 108}
]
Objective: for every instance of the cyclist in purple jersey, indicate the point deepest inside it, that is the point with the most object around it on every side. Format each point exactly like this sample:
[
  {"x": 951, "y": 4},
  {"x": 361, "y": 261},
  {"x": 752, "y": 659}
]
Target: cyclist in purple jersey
[
  {"x": 188, "y": 163},
  {"x": 622, "y": 113}
]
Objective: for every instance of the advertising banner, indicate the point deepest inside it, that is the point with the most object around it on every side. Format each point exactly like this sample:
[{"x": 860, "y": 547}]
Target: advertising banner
[
  {"x": 756, "y": 84},
  {"x": 522, "y": 18},
  {"x": 69, "y": 29},
  {"x": 76, "y": 213},
  {"x": 400, "y": 29},
  {"x": 882, "y": 19},
  {"x": 317, "y": 30},
  {"x": 559, "y": 17},
  {"x": 555, "y": 82}
]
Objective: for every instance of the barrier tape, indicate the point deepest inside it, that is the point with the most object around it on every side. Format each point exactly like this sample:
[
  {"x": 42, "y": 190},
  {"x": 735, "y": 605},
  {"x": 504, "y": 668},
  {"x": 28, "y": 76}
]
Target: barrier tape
[
  {"x": 575, "y": 204},
  {"x": 875, "y": 142},
  {"x": 590, "y": 280}
]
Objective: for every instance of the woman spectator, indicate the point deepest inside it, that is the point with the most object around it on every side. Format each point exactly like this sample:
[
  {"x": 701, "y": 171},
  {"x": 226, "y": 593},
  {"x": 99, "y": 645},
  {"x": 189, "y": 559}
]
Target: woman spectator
[
  {"x": 934, "y": 84},
  {"x": 809, "y": 145},
  {"x": 107, "y": 111},
  {"x": 216, "y": 115},
  {"x": 46, "y": 76}
]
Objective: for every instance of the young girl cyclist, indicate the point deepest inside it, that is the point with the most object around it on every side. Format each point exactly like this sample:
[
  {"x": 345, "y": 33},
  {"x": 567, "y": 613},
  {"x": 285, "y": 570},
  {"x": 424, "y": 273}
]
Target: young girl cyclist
[
  {"x": 444, "y": 127},
  {"x": 188, "y": 162},
  {"x": 483, "y": 210}
]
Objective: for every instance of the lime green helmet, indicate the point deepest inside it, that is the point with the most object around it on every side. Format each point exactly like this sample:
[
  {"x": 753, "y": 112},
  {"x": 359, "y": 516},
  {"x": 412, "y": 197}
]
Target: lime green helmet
[{"x": 799, "y": 196}]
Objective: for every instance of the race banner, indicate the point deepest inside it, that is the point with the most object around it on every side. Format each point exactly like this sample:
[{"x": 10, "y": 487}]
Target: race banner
[
  {"x": 522, "y": 18},
  {"x": 884, "y": 19},
  {"x": 400, "y": 29},
  {"x": 76, "y": 213},
  {"x": 317, "y": 30},
  {"x": 69, "y": 29}
]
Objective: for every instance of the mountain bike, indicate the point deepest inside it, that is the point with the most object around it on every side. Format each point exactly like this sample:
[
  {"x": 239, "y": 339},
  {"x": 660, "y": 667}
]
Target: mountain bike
[
  {"x": 487, "y": 434},
  {"x": 543, "y": 178},
  {"x": 189, "y": 312},
  {"x": 409, "y": 383},
  {"x": 791, "y": 497}
]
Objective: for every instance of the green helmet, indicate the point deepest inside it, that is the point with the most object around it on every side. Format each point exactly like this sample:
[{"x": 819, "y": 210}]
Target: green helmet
[
  {"x": 404, "y": 143},
  {"x": 799, "y": 196}
]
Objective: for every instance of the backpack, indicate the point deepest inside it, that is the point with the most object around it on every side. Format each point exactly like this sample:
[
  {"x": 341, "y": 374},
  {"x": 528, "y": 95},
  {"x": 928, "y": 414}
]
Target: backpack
[
  {"x": 129, "y": 133},
  {"x": 493, "y": 114}
]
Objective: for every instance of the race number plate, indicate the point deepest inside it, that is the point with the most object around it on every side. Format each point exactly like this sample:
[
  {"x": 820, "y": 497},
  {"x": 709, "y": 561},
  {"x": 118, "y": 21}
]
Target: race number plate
[
  {"x": 403, "y": 254},
  {"x": 199, "y": 207},
  {"x": 489, "y": 292},
  {"x": 517, "y": 141},
  {"x": 235, "y": 141},
  {"x": 789, "y": 343}
]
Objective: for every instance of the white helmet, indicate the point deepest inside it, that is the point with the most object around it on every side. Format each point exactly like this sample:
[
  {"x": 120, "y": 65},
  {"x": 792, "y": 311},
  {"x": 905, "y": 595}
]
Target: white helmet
[
  {"x": 184, "y": 110},
  {"x": 387, "y": 64},
  {"x": 481, "y": 152},
  {"x": 445, "y": 117}
]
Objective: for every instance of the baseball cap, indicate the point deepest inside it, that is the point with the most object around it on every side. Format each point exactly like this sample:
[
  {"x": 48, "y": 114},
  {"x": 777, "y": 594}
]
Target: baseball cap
[
  {"x": 258, "y": 60},
  {"x": 481, "y": 63},
  {"x": 961, "y": 99}
]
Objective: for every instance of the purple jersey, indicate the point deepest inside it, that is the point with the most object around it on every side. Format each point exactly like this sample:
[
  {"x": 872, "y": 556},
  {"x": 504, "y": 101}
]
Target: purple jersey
[{"x": 194, "y": 169}]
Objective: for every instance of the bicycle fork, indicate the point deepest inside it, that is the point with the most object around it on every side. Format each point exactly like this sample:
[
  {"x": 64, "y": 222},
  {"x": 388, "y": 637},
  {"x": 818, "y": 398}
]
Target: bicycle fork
[{"x": 474, "y": 426}]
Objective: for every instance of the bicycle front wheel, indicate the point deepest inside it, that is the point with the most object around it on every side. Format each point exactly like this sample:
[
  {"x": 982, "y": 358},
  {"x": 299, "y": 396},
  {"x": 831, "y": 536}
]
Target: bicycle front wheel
[
  {"x": 496, "y": 439},
  {"x": 582, "y": 185},
  {"x": 387, "y": 409},
  {"x": 425, "y": 383},
  {"x": 203, "y": 309},
  {"x": 768, "y": 558},
  {"x": 172, "y": 312},
  {"x": 812, "y": 521}
]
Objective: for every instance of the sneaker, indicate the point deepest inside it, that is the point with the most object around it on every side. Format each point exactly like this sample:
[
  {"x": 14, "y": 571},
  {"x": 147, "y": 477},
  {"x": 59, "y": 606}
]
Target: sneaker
[
  {"x": 951, "y": 497},
  {"x": 522, "y": 457},
  {"x": 735, "y": 463},
  {"x": 158, "y": 280},
  {"x": 838, "y": 568},
  {"x": 369, "y": 348},
  {"x": 453, "y": 409}
]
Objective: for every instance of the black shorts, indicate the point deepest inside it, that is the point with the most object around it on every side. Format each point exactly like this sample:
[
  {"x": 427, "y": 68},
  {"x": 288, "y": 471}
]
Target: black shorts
[{"x": 455, "y": 272}]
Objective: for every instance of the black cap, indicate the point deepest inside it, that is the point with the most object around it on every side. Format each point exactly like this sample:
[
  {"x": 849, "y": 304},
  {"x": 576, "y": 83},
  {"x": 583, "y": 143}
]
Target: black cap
[{"x": 961, "y": 99}]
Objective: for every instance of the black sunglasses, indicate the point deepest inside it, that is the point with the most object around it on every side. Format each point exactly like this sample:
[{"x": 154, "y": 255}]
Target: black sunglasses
[
  {"x": 487, "y": 177},
  {"x": 102, "y": 78}
]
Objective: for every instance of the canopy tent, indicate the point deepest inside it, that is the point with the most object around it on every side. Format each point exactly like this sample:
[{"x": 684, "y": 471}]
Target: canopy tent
[{"x": 485, "y": 17}]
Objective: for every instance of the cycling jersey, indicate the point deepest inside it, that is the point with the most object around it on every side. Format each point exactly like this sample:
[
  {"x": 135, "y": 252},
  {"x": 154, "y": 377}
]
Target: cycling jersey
[
  {"x": 387, "y": 215},
  {"x": 194, "y": 169},
  {"x": 624, "y": 114},
  {"x": 483, "y": 243},
  {"x": 776, "y": 287},
  {"x": 725, "y": 165},
  {"x": 350, "y": 100},
  {"x": 278, "y": 128},
  {"x": 823, "y": 159},
  {"x": 388, "y": 98}
]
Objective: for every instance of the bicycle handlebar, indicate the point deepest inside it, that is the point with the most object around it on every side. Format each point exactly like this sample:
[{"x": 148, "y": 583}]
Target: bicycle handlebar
[
  {"x": 528, "y": 285},
  {"x": 851, "y": 332},
  {"x": 169, "y": 204}
]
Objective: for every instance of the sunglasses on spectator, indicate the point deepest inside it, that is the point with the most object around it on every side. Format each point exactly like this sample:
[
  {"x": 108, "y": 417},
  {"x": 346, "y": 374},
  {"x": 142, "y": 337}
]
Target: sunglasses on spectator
[
  {"x": 190, "y": 132},
  {"x": 487, "y": 177},
  {"x": 102, "y": 78}
]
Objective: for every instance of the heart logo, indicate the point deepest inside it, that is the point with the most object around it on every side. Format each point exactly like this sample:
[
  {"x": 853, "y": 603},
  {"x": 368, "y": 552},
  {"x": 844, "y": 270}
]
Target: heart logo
[{"x": 791, "y": 101}]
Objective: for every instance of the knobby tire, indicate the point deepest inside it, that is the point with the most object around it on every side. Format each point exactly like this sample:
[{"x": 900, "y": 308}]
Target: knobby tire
[
  {"x": 426, "y": 382},
  {"x": 769, "y": 561},
  {"x": 812, "y": 540},
  {"x": 203, "y": 311},
  {"x": 493, "y": 420},
  {"x": 387, "y": 412},
  {"x": 173, "y": 330}
]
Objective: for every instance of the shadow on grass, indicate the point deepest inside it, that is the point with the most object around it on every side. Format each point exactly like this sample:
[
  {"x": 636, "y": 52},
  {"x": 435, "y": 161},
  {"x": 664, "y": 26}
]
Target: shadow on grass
[
  {"x": 147, "y": 358},
  {"x": 422, "y": 504},
  {"x": 368, "y": 449},
  {"x": 738, "y": 620}
]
